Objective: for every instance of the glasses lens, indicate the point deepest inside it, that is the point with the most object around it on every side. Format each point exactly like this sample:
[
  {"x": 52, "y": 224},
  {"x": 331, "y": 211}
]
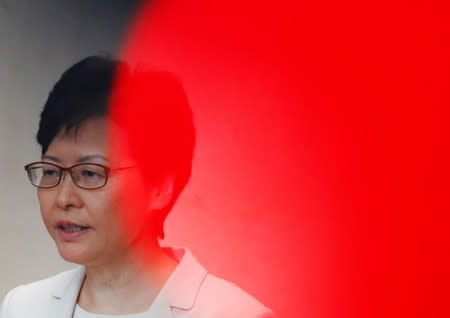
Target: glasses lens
[
  {"x": 44, "y": 175},
  {"x": 89, "y": 176}
]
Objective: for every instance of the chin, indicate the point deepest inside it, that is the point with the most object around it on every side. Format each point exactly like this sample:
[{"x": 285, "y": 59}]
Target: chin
[{"x": 74, "y": 254}]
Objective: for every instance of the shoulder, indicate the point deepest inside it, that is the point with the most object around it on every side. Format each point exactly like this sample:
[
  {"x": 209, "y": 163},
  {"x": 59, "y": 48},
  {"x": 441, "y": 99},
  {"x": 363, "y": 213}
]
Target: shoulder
[
  {"x": 35, "y": 294},
  {"x": 45, "y": 286},
  {"x": 221, "y": 298},
  {"x": 197, "y": 293}
]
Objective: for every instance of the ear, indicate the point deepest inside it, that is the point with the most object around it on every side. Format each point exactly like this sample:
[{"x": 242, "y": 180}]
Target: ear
[{"x": 162, "y": 193}]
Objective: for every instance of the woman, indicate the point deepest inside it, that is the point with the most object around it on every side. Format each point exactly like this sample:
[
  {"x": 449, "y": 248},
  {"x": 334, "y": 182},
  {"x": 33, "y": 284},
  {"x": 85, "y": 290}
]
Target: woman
[{"x": 113, "y": 164}]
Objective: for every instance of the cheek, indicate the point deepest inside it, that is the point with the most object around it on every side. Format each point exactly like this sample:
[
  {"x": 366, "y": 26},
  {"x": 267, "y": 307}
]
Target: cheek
[
  {"x": 130, "y": 206},
  {"x": 103, "y": 210},
  {"x": 109, "y": 214},
  {"x": 45, "y": 204}
]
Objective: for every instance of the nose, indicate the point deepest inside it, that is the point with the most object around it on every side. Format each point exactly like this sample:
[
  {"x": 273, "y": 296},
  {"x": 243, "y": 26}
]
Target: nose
[{"x": 67, "y": 196}]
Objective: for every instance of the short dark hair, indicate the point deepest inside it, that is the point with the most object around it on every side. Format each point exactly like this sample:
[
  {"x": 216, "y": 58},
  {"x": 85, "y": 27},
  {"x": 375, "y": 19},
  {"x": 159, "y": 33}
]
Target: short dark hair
[{"x": 88, "y": 90}]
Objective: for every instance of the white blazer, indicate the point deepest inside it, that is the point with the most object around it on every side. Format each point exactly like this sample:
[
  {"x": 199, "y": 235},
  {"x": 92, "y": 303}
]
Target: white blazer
[{"x": 190, "y": 292}]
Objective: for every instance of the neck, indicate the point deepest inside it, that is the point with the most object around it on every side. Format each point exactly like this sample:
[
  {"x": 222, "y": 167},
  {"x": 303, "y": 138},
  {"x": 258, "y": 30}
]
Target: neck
[{"x": 133, "y": 278}]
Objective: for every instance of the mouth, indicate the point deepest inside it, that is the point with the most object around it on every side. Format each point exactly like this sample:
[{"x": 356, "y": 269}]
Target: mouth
[
  {"x": 68, "y": 231},
  {"x": 71, "y": 227}
]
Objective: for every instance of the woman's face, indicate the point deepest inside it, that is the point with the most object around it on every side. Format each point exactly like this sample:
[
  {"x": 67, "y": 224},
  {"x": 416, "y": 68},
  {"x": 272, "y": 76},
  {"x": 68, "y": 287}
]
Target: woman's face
[{"x": 106, "y": 213}]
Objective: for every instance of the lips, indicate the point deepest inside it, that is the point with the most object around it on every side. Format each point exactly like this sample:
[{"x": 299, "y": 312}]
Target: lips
[
  {"x": 71, "y": 226},
  {"x": 71, "y": 232}
]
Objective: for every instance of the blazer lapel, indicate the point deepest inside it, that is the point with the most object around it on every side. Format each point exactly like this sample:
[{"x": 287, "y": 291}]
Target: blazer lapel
[
  {"x": 65, "y": 295},
  {"x": 181, "y": 289}
]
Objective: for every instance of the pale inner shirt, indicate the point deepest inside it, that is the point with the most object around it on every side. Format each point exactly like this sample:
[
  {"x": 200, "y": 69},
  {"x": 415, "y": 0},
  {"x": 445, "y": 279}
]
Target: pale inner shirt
[{"x": 81, "y": 313}]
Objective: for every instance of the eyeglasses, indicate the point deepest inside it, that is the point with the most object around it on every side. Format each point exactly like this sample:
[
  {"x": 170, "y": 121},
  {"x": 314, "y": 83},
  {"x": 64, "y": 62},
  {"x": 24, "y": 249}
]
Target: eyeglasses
[{"x": 89, "y": 176}]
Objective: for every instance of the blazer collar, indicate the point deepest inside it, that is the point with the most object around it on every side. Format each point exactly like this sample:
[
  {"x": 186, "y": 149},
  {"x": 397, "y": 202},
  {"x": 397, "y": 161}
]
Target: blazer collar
[
  {"x": 70, "y": 284},
  {"x": 182, "y": 287},
  {"x": 179, "y": 291},
  {"x": 65, "y": 293}
]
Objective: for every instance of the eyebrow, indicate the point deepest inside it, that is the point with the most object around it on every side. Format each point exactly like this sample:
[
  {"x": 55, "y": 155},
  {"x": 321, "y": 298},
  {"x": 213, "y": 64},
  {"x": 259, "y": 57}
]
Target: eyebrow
[
  {"x": 91, "y": 157},
  {"x": 52, "y": 158},
  {"x": 86, "y": 158}
]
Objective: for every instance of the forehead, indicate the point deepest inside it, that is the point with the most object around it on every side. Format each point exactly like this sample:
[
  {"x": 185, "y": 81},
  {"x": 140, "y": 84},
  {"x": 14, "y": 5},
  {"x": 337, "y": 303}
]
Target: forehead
[
  {"x": 92, "y": 131},
  {"x": 94, "y": 136},
  {"x": 89, "y": 137}
]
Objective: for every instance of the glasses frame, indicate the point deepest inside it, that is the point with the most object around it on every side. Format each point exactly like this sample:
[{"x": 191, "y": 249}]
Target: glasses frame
[{"x": 69, "y": 169}]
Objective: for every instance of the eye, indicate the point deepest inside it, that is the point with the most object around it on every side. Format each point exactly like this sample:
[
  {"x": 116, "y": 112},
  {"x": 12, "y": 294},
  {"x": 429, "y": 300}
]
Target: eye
[
  {"x": 50, "y": 172},
  {"x": 90, "y": 173}
]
